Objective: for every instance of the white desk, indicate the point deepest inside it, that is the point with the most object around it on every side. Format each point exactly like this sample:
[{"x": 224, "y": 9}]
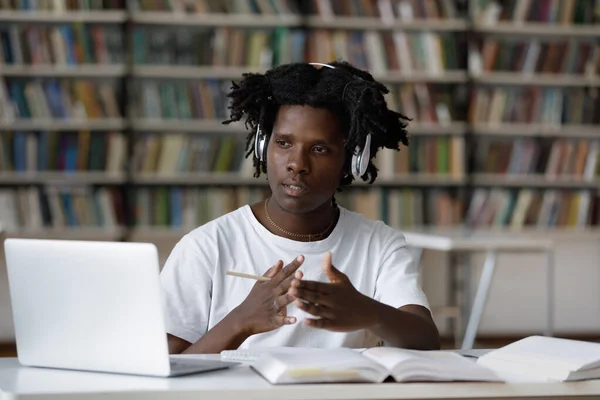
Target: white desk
[
  {"x": 491, "y": 244},
  {"x": 18, "y": 382}
]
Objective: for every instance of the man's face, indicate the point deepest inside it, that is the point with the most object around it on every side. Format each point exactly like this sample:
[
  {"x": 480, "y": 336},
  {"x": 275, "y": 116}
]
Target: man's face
[{"x": 305, "y": 158}]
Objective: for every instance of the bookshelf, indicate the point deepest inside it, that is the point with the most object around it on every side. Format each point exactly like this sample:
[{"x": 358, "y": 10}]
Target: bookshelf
[{"x": 445, "y": 62}]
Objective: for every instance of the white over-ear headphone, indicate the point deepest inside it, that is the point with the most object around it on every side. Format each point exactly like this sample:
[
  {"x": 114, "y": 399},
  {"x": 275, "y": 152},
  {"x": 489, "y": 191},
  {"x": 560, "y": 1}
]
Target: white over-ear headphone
[{"x": 360, "y": 159}]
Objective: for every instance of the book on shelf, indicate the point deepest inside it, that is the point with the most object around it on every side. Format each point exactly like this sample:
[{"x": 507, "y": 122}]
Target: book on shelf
[
  {"x": 382, "y": 52},
  {"x": 438, "y": 155},
  {"x": 181, "y": 208},
  {"x": 180, "y": 100},
  {"x": 522, "y": 208},
  {"x": 531, "y": 55},
  {"x": 436, "y": 105},
  {"x": 552, "y": 12},
  {"x": 170, "y": 154},
  {"x": 553, "y": 107},
  {"x": 61, "y": 45},
  {"x": 61, "y": 5},
  {"x": 67, "y": 152},
  {"x": 406, "y": 208},
  {"x": 372, "y": 365},
  {"x": 34, "y": 208},
  {"x": 61, "y": 99},
  {"x": 386, "y": 10},
  {"x": 572, "y": 158},
  {"x": 252, "y": 7}
]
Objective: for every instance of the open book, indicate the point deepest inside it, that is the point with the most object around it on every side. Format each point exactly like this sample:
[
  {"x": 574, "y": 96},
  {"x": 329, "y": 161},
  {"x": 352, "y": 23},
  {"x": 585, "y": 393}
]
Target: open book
[
  {"x": 539, "y": 358},
  {"x": 373, "y": 365}
]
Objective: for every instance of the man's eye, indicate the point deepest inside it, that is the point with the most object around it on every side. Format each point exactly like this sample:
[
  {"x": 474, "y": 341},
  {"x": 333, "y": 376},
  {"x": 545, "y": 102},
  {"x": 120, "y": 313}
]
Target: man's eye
[
  {"x": 282, "y": 143},
  {"x": 320, "y": 149}
]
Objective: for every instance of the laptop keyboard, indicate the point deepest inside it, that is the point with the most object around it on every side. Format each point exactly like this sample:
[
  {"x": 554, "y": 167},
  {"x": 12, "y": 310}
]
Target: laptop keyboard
[{"x": 180, "y": 366}]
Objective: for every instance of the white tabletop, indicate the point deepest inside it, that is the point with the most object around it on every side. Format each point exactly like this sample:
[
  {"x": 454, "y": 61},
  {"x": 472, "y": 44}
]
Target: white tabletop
[
  {"x": 17, "y": 382},
  {"x": 463, "y": 241}
]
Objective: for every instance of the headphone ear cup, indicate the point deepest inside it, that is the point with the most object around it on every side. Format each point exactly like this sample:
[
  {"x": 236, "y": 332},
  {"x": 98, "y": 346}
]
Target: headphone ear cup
[
  {"x": 260, "y": 145},
  {"x": 360, "y": 159}
]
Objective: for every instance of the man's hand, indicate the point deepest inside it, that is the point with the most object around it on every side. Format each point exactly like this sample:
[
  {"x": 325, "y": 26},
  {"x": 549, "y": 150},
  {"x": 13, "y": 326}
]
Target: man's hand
[
  {"x": 338, "y": 305},
  {"x": 265, "y": 308}
]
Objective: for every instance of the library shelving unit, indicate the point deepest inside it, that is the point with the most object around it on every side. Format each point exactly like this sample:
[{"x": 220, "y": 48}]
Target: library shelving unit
[
  {"x": 59, "y": 68},
  {"x": 534, "y": 69},
  {"x": 433, "y": 55}
]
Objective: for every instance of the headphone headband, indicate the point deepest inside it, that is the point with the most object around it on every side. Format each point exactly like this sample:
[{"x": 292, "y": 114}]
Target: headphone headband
[{"x": 322, "y": 65}]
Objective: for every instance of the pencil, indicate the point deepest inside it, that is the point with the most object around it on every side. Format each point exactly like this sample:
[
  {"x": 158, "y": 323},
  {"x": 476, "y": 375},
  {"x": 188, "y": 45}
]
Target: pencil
[{"x": 249, "y": 276}]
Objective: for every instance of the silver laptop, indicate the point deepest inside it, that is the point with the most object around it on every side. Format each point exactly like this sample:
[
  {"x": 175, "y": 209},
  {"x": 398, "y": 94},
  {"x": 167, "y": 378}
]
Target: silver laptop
[{"x": 93, "y": 306}]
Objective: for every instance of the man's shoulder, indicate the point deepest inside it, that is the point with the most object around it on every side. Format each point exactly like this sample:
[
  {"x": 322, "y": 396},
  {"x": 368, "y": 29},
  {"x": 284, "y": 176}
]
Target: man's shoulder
[{"x": 359, "y": 223}]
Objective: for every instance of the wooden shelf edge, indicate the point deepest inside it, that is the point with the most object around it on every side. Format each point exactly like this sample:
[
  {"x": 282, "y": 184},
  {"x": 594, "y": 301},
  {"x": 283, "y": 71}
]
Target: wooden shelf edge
[
  {"x": 534, "y": 79},
  {"x": 517, "y": 129},
  {"x": 189, "y": 126},
  {"x": 533, "y": 180},
  {"x": 235, "y": 72},
  {"x": 215, "y": 19},
  {"x": 60, "y": 177},
  {"x": 102, "y": 124},
  {"x": 532, "y": 28},
  {"x": 110, "y": 16},
  {"x": 91, "y": 70},
  {"x": 454, "y": 128},
  {"x": 341, "y": 22}
]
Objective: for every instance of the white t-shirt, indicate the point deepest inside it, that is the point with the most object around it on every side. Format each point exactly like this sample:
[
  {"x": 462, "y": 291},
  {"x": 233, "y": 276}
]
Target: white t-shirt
[{"x": 197, "y": 294}]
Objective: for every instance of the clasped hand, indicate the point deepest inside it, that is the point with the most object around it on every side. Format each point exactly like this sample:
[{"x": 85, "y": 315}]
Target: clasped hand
[{"x": 338, "y": 306}]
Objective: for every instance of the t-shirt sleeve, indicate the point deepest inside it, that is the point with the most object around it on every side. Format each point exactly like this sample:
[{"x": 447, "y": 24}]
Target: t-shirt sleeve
[
  {"x": 398, "y": 279},
  {"x": 186, "y": 282}
]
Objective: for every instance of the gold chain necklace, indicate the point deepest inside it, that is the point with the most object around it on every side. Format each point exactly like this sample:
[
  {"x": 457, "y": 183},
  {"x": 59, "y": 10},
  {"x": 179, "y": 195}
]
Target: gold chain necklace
[{"x": 310, "y": 236}]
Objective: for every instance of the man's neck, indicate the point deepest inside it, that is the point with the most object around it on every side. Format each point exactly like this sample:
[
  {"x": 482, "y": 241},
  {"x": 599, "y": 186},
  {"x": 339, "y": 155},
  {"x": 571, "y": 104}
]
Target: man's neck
[{"x": 318, "y": 221}]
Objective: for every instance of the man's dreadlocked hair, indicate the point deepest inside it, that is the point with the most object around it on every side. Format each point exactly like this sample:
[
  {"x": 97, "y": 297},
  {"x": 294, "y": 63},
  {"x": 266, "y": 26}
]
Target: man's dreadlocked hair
[{"x": 351, "y": 94}]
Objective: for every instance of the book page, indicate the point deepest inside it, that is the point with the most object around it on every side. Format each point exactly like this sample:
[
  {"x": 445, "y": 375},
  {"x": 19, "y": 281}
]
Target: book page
[
  {"x": 319, "y": 365},
  {"x": 416, "y": 365}
]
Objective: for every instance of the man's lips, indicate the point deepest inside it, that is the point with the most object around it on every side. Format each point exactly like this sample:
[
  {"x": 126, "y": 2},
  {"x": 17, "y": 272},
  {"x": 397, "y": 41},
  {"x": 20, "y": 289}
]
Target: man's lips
[{"x": 294, "y": 189}]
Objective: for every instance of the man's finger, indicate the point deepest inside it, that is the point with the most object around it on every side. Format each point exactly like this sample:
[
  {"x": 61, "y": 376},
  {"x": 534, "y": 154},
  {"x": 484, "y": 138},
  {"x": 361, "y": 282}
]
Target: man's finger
[
  {"x": 319, "y": 310},
  {"x": 283, "y": 300},
  {"x": 281, "y": 320},
  {"x": 331, "y": 272},
  {"x": 313, "y": 286},
  {"x": 274, "y": 270},
  {"x": 310, "y": 296},
  {"x": 285, "y": 284},
  {"x": 289, "y": 269},
  {"x": 321, "y": 323}
]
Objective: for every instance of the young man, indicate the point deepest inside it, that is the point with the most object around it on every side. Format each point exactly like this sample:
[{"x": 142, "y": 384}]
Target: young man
[{"x": 336, "y": 278}]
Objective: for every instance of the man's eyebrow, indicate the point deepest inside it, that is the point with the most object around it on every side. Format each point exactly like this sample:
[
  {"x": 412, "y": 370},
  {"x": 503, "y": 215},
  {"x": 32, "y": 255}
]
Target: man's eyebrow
[{"x": 318, "y": 142}]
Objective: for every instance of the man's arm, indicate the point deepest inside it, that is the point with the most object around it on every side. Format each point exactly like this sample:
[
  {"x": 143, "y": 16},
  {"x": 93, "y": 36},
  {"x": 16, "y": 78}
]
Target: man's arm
[
  {"x": 265, "y": 309},
  {"x": 226, "y": 335},
  {"x": 391, "y": 326},
  {"x": 342, "y": 308}
]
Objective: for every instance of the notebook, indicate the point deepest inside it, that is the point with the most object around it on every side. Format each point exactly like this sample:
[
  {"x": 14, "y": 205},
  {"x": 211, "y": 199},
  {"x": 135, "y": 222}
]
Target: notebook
[
  {"x": 373, "y": 365},
  {"x": 540, "y": 358}
]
